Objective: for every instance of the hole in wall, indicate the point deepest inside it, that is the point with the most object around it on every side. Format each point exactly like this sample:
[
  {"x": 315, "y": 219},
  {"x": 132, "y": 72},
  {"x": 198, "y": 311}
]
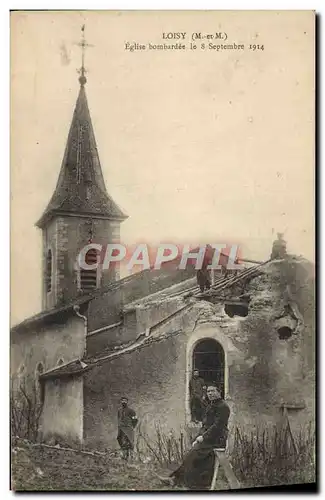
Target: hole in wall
[
  {"x": 286, "y": 326},
  {"x": 284, "y": 332},
  {"x": 236, "y": 310}
]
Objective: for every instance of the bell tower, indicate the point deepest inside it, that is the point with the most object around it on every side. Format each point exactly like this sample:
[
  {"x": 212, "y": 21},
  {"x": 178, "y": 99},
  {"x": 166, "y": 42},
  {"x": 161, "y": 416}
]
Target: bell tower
[{"x": 80, "y": 211}]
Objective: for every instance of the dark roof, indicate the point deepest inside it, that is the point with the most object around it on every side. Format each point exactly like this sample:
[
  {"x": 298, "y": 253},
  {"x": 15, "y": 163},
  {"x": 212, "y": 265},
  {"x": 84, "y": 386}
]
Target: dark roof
[
  {"x": 55, "y": 315},
  {"x": 151, "y": 335},
  {"x": 79, "y": 367},
  {"x": 81, "y": 188},
  {"x": 76, "y": 367}
]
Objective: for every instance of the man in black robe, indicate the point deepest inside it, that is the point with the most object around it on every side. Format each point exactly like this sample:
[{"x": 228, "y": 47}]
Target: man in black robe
[
  {"x": 127, "y": 421},
  {"x": 196, "y": 471}
]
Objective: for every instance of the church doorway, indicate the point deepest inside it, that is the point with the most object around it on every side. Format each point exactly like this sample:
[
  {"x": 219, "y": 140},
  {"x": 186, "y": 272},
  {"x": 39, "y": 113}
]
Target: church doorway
[{"x": 209, "y": 360}]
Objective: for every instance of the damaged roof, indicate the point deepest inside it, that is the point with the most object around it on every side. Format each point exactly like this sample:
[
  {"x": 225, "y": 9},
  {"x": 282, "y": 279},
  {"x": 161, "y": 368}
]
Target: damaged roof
[
  {"x": 80, "y": 367},
  {"x": 167, "y": 281},
  {"x": 76, "y": 367},
  {"x": 151, "y": 335},
  {"x": 156, "y": 280}
]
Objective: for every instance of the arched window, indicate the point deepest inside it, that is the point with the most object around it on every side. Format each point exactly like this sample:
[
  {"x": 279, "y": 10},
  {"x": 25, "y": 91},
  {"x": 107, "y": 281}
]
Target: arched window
[
  {"x": 49, "y": 270},
  {"x": 88, "y": 277},
  {"x": 60, "y": 362},
  {"x": 209, "y": 360},
  {"x": 208, "y": 366}
]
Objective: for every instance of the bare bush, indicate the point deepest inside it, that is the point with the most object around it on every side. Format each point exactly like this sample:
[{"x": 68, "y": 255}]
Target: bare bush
[
  {"x": 274, "y": 457},
  {"x": 263, "y": 458},
  {"x": 165, "y": 448},
  {"x": 26, "y": 407}
]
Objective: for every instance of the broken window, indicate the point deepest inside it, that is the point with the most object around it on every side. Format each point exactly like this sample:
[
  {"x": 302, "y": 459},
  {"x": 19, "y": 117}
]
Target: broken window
[
  {"x": 49, "y": 271},
  {"x": 238, "y": 308},
  {"x": 208, "y": 366},
  {"x": 88, "y": 277}
]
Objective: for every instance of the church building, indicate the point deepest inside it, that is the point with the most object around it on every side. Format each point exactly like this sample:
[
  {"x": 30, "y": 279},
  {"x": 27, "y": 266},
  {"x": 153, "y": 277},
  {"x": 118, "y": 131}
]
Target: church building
[{"x": 99, "y": 337}]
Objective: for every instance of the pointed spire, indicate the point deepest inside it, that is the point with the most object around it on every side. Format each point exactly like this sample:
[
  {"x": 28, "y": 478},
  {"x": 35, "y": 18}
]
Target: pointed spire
[{"x": 81, "y": 187}]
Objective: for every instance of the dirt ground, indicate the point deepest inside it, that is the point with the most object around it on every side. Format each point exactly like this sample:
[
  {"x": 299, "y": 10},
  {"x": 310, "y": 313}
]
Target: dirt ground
[{"x": 36, "y": 468}]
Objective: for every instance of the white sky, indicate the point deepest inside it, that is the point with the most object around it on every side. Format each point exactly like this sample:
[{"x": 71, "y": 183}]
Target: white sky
[{"x": 194, "y": 146}]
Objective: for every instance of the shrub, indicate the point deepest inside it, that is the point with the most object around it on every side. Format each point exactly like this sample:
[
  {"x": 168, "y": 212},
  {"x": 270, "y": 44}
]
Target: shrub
[
  {"x": 25, "y": 412},
  {"x": 272, "y": 457}
]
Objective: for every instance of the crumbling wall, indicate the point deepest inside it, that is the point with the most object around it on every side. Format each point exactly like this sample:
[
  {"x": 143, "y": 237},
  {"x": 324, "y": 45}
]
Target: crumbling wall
[
  {"x": 281, "y": 369},
  {"x": 263, "y": 370},
  {"x": 271, "y": 369}
]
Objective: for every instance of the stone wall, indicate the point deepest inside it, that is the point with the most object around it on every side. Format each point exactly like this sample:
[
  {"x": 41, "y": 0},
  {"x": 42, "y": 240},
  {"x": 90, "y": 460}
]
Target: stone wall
[
  {"x": 135, "y": 320},
  {"x": 107, "y": 307},
  {"x": 49, "y": 299},
  {"x": 62, "y": 416},
  {"x": 72, "y": 236},
  {"x": 262, "y": 371},
  {"x": 66, "y": 236},
  {"x": 47, "y": 345},
  {"x": 152, "y": 378},
  {"x": 289, "y": 364}
]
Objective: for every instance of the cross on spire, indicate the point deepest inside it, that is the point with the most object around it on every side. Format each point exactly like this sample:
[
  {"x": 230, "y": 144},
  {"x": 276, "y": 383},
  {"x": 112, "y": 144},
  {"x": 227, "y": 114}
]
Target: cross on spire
[{"x": 83, "y": 44}]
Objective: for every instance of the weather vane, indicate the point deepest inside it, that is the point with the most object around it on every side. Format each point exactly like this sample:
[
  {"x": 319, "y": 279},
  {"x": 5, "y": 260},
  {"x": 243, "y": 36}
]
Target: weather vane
[{"x": 83, "y": 44}]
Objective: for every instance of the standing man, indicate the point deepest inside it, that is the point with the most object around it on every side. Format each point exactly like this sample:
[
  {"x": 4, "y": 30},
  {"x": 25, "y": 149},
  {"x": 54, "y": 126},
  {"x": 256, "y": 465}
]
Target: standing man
[
  {"x": 279, "y": 248},
  {"x": 203, "y": 279},
  {"x": 203, "y": 274},
  {"x": 196, "y": 471},
  {"x": 196, "y": 396},
  {"x": 127, "y": 421}
]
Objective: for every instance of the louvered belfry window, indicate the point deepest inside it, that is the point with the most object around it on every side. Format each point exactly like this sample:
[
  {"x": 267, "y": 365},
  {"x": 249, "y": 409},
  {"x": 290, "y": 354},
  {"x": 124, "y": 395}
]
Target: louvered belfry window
[
  {"x": 88, "y": 277},
  {"x": 49, "y": 271}
]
